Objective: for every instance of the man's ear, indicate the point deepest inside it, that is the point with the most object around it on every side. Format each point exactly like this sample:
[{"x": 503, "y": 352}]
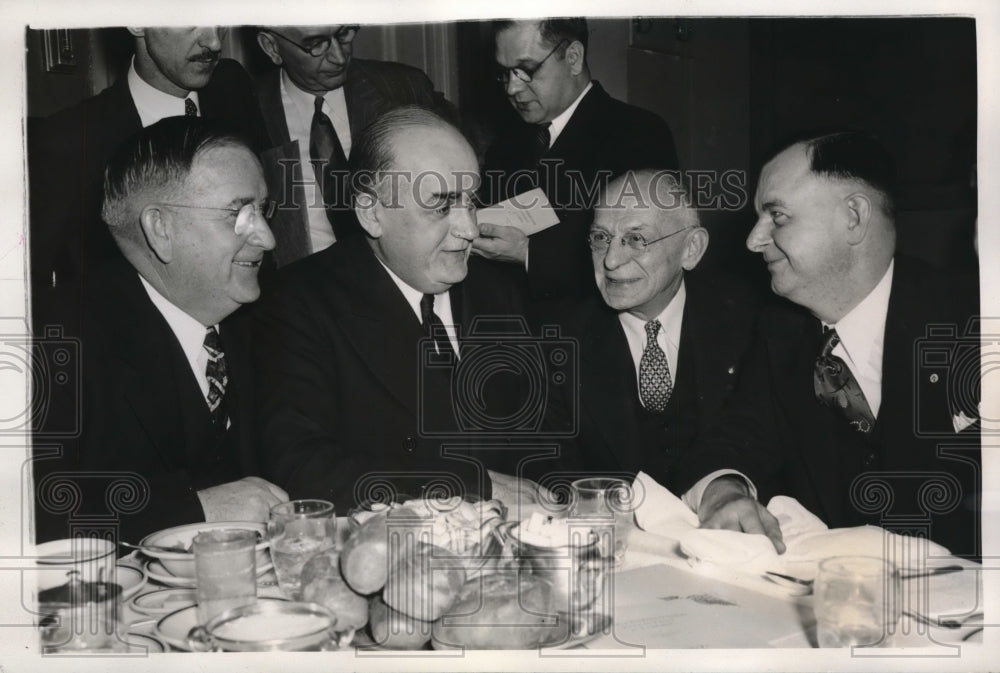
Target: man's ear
[
  {"x": 137, "y": 32},
  {"x": 859, "y": 209},
  {"x": 368, "y": 211},
  {"x": 575, "y": 54},
  {"x": 695, "y": 245},
  {"x": 157, "y": 233},
  {"x": 269, "y": 46}
]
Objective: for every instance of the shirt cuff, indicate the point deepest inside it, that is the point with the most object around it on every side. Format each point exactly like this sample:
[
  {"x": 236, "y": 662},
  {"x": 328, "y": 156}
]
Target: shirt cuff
[{"x": 692, "y": 497}]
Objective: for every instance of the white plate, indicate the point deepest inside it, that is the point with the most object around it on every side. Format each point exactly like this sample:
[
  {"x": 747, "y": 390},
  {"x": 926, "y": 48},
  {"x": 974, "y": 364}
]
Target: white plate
[
  {"x": 174, "y": 628},
  {"x": 157, "y": 572},
  {"x": 164, "y": 601},
  {"x": 130, "y": 578}
]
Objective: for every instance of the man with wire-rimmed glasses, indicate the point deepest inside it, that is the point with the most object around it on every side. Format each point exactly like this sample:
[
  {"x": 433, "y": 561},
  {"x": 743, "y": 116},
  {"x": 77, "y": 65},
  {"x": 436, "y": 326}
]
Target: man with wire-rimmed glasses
[
  {"x": 661, "y": 348},
  {"x": 314, "y": 105},
  {"x": 572, "y": 138},
  {"x": 165, "y": 391}
]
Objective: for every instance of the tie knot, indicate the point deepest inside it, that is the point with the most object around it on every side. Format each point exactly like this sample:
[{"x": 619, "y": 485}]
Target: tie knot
[
  {"x": 190, "y": 109},
  {"x": 830, "y": 341},
  {"x": 318, "y": 104},
  {"x": 652, "y": 329},
  {"x": 213, "y": 342},
  {"x": 426, "y": 307}
]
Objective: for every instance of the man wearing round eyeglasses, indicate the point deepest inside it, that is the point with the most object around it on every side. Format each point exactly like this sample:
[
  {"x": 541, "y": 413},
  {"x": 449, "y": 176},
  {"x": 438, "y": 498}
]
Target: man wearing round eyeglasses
[
  {"x": 661, "y": 347},
  {"x": 315, "y": 104},
  {"x": 572, "y": 137},
  {"x": 165, "y": 398}
]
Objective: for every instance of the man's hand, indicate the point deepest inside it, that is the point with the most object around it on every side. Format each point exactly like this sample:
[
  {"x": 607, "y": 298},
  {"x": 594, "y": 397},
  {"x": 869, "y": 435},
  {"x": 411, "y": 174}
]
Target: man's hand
[
  {"x": 512, "y": 491},
  {"x": 249, "y": 499},
  {"x": 501, "y": 243},
  {"x": 726, "y": 504}
]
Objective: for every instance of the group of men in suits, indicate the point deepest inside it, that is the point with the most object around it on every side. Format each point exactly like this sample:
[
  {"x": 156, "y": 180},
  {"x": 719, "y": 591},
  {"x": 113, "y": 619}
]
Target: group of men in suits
[{"x": 343, "y": 378}]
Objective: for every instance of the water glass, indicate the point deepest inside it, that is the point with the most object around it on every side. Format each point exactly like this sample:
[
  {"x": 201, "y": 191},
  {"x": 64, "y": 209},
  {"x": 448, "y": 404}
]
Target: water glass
[
  {"x": 856, "y": 601},
  {"x": 298, "y": 530},
  {"x": 605, "y": 504},
  {"x": 225, "y": 563}
]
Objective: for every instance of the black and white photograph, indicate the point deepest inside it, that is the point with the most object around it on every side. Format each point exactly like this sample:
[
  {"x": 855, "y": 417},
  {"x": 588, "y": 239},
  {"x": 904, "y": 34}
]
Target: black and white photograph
[{"x": 557, "y": 336}]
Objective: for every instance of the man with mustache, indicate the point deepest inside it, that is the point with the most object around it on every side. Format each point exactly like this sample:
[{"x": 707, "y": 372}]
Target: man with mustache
[
  {"x": 315, "y": 104},
  {"x": 572, "y": 138},
  {"x": 175, "y": 71},
  {"x": 355, "y": 345},
  {"x": 164, "y": 400}
]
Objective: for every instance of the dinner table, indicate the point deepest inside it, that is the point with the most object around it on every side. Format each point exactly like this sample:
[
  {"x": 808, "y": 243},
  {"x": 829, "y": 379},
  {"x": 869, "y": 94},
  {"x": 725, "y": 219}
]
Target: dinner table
[{"x": 661, "y": 597}]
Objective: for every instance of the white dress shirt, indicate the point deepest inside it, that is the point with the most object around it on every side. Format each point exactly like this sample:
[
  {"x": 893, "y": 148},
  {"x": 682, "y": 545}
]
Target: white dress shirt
[
  {"x": 153, "y": 104},
  {"x": 299, "y": 107},
  {"x": 560, "y": 121},
  {"x": 189, "y": 332},
  {"x": 862, "y": 336},
  {"x": 442, "y": 305},
  {"x": 668, "y": 338}
]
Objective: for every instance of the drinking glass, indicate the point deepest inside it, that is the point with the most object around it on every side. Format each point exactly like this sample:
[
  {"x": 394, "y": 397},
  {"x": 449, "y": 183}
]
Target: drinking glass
[
  {"x": 605, "y": 504},
  {"x": 298, "y": 530},
  {"x": 856, "y": 601},
  {"x": 225, "y": 562}
]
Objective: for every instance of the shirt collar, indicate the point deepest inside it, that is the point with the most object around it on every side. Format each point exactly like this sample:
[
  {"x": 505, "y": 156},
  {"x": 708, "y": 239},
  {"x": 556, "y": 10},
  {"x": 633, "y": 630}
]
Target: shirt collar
[
  {"x": 862, "y": 330},
  {"x": 670, "y": 319},
  {"x": 559, "y": 123},
  {"x": 189, "y": 332},
  {"x": 153, "y": 104},
  {"x": 442, "y": 302}
]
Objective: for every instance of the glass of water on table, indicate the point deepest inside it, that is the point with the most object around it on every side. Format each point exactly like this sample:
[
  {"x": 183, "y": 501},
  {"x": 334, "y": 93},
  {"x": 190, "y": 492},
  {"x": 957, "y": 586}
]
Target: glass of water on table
[{"x": 297, "y": 531}]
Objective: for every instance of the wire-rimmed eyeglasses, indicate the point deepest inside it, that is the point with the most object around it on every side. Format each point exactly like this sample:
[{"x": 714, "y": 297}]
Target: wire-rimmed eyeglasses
[
  {"x": 600, "y": 241},
  {"x": 344, "y": 35},
  {"x": 247, "y": 215},
  {"x": 523, "y": 72}
]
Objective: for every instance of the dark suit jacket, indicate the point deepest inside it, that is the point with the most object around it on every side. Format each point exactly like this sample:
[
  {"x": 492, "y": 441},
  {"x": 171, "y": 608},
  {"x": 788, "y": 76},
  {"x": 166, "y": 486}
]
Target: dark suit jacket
[
  {"x": 67, "y": 154},
  {"x": 372, "y": 88},
  {"x": 342, "y": 393},
  {"x": 143, "y": 413},
  {"x": 927, "y": 475},
  {"x": 715, "y": 335},
  {"x": 603, "y": 139}
]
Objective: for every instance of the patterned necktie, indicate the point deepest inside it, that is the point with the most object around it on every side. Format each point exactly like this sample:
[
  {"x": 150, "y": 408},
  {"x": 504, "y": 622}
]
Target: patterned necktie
[
  {"x": 433, "y": 327},
  {"x": 215, "y": 372},
  {"x": 655, "y": 385},
  {"x": 190, "y": 109},
  {"x": 327, "y": 156},
  {"x": 543, "y": 136},
  {"x": 837, "y": 388}
]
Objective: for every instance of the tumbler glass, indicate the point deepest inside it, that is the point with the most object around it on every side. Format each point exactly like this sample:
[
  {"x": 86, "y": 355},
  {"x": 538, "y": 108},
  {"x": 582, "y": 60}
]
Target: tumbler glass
[
  {"x": 606, "y": 504},
  {"x": 298, "y": 530},
  {"x": 856, "y": 601},
  {"x": 225, "y": 563}
]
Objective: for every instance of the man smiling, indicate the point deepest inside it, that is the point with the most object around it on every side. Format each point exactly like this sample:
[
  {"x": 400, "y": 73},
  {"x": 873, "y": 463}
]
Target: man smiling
[
  {"x": 573, "y": 139},
  {"x": 165, "y": 359},
  {"x": 348, "y": 398}
]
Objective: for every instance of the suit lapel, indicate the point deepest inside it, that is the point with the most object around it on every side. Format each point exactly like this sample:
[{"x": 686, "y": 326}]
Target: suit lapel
[
  {"x": 290, "y": 226},
  {"x": 363, "y": 100},
  {"x": 269, "y": 94},
  {"x": 577, "y": 137}
]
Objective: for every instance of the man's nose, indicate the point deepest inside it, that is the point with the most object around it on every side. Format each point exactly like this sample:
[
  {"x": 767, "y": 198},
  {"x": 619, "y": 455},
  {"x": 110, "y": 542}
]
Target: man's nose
[
  {"x": 514, "y": 84},
  {"x": 464, "y": 224},
  {"x": 616, "y": 254},
  {"x": 211, "y": 38},
  {"x": 261, "y": 234},
  {"x": 335, "y": 54},
  {"x": 760, "y": 235}
]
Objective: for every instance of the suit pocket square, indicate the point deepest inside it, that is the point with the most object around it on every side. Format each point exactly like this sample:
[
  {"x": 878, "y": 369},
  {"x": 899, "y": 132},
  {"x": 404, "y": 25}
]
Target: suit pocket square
[{"x": 960, "y": 421}]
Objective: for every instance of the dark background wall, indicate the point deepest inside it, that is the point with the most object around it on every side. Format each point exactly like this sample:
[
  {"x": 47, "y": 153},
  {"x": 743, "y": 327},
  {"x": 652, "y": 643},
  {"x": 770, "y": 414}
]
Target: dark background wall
[{"x": 730, "y": 89}]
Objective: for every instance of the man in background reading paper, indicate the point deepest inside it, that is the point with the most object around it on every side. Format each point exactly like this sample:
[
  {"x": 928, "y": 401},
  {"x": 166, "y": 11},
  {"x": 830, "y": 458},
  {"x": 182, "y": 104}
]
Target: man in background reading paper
[
  {"x": 573, "y": 138},
  {"x": 838, "y": 405}
]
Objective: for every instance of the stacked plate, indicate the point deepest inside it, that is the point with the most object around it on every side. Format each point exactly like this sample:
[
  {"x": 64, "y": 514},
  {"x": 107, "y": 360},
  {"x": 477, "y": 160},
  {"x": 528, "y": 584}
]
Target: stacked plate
[{"x": 176, "y": 568}]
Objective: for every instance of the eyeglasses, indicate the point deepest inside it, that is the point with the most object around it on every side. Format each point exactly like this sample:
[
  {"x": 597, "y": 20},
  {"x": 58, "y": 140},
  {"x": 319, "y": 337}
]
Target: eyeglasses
[
  {"x": 600, "y": 241},
  {"x": 523, "y": 72},
  {"x": 345, "y": 35},
  {"x": 247, "y": 215}
]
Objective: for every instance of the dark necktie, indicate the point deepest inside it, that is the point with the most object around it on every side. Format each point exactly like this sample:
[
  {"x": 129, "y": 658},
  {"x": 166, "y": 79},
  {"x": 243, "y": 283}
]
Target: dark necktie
[
  {"x": 542, "y": 138},
  {"x": 433, "y": 327},
  {"x": 837, "y": 388},
  {"x": 327, "y": 156},
  {"x": 655, "y": 385},
  {"x": 190, "y": 109},
  {"x": 215, "y": 372}
]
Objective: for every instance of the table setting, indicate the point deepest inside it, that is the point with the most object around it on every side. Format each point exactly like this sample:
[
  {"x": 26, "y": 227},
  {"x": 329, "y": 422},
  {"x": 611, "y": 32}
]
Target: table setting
[{"x": 621, "y": 566}]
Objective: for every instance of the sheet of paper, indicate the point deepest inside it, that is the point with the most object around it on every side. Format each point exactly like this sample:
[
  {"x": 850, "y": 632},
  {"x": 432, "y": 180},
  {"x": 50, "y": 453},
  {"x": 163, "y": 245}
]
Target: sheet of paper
[{"x": 529, "y": 211}]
